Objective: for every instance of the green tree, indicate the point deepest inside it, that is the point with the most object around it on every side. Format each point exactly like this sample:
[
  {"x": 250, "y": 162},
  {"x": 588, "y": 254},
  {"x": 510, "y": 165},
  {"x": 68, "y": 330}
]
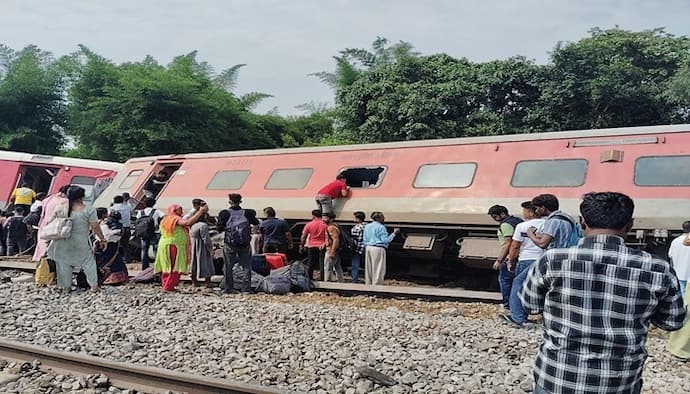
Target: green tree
[
  {"x": 144, "y": 108},
  {"x": 32, "y": 104},
  {"x": 613, "y": 78}
]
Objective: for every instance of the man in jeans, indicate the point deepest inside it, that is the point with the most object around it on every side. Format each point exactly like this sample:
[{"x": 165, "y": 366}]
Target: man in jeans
[
  {"x": 523, "y": 253},
  {"x": 598, "y": 299},
  {"x": 335, "y": 189},
  {"x": 238, "y": 221},
  {"x": 156, "y": 215},
  {"x": 505, "y": 232},
  {"x": 358, "y": 236}
]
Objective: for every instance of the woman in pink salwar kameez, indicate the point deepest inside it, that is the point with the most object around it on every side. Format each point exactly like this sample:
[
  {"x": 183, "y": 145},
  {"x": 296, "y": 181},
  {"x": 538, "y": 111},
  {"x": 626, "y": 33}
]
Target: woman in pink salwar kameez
[{"x": 50, "y": 205}]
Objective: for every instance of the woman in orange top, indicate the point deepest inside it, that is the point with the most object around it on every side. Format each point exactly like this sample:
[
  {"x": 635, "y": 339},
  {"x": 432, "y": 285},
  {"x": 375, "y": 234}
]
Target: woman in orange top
[{"x": 173, "y": 256}]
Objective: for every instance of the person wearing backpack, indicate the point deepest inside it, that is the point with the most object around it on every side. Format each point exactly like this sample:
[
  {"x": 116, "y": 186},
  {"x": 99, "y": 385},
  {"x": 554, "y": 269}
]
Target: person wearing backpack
[
  {"x": 125, "y": 210},
  {"x": 332, "y": 246},
  {"x": 560, "y": 230},
  {"x": 17, "y": 232},
  {"x": 146, "y": 228},
  {"x": 236, "y": 245}
]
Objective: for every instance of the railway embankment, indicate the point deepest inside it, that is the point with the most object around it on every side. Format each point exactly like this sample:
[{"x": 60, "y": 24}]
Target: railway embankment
[{"x": 316, "y": 342}]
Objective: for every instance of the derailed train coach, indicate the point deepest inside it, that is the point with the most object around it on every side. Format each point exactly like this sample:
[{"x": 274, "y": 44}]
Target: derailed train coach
[
  {"x": 438, "y": 191},
  {"x": 48, "y": 173}
]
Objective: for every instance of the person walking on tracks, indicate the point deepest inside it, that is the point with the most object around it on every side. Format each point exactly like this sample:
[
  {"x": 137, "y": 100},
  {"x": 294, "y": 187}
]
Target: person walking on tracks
[
  {"x": 236, "y": 248},
  {"x": 376, "y": 241},
  {"x": 598, "y": 299},
  {"x": 505, "y": 232},
  {"x": 336, "y": 189},
  {"x": 173, "y": 254}
]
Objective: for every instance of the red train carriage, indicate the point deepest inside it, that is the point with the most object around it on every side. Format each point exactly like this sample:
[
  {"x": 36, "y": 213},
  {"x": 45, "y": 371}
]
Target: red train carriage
[
  {"x": 47, "y": 173},
  {"x": 438, "y": 191}
]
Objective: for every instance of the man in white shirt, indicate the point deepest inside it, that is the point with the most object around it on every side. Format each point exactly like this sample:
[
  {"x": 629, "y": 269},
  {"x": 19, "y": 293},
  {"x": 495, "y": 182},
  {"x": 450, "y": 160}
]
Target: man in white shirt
[
  {"x": 125, "y": 210},
  {"x": 522, "y": 254},
  {"x": 679, "y": 254}
]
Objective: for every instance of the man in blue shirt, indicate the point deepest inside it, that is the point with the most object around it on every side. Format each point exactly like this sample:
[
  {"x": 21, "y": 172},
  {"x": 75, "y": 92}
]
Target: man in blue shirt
[
  {"x": 275, "y": 232},
  {"x": 376, "y": 240},
  {"x": 558, "y": 227}
]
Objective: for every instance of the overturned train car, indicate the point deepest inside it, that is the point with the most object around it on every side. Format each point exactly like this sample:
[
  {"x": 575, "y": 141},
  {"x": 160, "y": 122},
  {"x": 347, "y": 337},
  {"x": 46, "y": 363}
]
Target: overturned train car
[
  {"x": 47, "y": 174},
  {"x": 438, "y": 191}
]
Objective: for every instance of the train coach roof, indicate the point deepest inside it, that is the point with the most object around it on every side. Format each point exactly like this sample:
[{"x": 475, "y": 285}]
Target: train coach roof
[
  {"x": 61, "y": 161},
  {"x": 613, "y": 132}
]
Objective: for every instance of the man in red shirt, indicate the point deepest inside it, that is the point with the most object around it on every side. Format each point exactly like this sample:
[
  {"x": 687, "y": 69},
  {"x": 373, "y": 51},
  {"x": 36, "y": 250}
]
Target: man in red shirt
[
  {"x": 313, "y": 238},
  {"x": 335, "y": 189}
]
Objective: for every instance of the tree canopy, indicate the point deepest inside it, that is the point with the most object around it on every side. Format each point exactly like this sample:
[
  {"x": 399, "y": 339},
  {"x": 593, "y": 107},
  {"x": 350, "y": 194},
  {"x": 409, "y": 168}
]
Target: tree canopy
[{"x": 85, "y": 105}]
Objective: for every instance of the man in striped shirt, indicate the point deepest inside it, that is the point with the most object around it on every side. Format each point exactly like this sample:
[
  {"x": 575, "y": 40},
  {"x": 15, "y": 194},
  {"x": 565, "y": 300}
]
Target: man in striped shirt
[{"x": 598, "y": 299}]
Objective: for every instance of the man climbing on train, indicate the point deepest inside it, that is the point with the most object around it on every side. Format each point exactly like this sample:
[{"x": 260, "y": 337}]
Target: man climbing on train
[
  {"x": 23, "y": 197},
  {"x": 328, "y": 193},
  {"x": 505, "y": 232},
  {"x": 598, "y": 299}
]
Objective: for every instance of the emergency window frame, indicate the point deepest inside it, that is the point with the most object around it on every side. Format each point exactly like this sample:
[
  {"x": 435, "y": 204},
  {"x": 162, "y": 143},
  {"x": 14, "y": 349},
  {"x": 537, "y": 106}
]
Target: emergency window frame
[
  {"x": 132, "y": 177},
  {"x": 637, "y": 161},
  {"x": 471, "y": 180},
  {"x": 552, "y": 161},
  {"x": 210, "y": 186},
  {"x": 382, "y": 175},
  {"x": 267, "y": 185}
]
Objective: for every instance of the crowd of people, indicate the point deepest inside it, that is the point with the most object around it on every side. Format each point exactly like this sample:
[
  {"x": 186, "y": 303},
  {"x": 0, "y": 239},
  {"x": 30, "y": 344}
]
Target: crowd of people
[{"x": 598, "y": 297}]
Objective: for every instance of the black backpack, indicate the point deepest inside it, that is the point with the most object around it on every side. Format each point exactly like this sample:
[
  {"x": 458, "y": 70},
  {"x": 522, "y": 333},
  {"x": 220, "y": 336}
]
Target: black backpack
[
  {"x": 16, "y": 228},
  {"x": 145, "y": 226},
  {"x": 237, "y": 230},
  {"x": 347, "y": 246}
]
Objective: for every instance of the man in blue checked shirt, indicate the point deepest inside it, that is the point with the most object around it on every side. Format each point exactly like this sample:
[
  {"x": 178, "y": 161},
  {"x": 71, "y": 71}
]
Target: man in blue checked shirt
[
  {"x": 358, "y": 236},
  {"x": 598, "y": 299},
  {"x": 376, "y": 241}
]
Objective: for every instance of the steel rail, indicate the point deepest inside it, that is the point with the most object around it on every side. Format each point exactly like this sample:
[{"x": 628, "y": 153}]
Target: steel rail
[{"x": 124, "y": 375}]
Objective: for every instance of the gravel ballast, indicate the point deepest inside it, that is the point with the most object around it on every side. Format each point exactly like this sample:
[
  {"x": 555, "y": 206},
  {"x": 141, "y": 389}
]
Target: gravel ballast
[{"x": 313, "y": 342}]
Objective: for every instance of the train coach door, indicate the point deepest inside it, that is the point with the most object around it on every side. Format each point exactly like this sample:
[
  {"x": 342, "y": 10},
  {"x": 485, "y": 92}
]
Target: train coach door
[
  {"x": 39, "y": 178},
  {"x": 159, "y": 179}
]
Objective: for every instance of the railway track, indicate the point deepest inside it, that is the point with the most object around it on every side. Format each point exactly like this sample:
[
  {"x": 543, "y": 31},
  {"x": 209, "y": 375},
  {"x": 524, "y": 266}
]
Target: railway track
[
  {"x": 348, "y": 289},
  {"x": 123, "y": 375}
]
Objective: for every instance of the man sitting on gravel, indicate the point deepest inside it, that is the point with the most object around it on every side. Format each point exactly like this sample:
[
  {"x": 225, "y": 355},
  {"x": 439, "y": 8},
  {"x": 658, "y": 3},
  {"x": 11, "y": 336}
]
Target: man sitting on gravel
[{"x": 598, "y": 299}]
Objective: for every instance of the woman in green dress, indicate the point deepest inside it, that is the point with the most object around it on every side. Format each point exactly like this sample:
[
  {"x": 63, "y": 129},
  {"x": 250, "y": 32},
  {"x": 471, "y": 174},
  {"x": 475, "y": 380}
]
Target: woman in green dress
[
  {"x": 173, "y": 255},
  {"x": 75, "y": 252}
]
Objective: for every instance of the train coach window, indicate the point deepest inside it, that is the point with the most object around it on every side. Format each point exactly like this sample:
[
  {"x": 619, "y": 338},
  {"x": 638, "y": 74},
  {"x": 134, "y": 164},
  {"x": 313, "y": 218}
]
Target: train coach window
[
  {"x": 554, "y": 173},
  {"x": 87, "y": 183},
  {"x": 289, "y": 178},
  {"x": 364, "y": 177},
  {"x": 662, "y": 171},
  {"x": 445, "y": 175},
  {"x": 228, "y": 180},
  {"x": 131, "y": 178}
]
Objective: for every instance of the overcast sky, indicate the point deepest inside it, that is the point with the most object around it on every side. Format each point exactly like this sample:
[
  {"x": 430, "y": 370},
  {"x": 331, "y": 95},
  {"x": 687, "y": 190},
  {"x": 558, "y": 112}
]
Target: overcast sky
[{"x": 283, "y": 41}]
